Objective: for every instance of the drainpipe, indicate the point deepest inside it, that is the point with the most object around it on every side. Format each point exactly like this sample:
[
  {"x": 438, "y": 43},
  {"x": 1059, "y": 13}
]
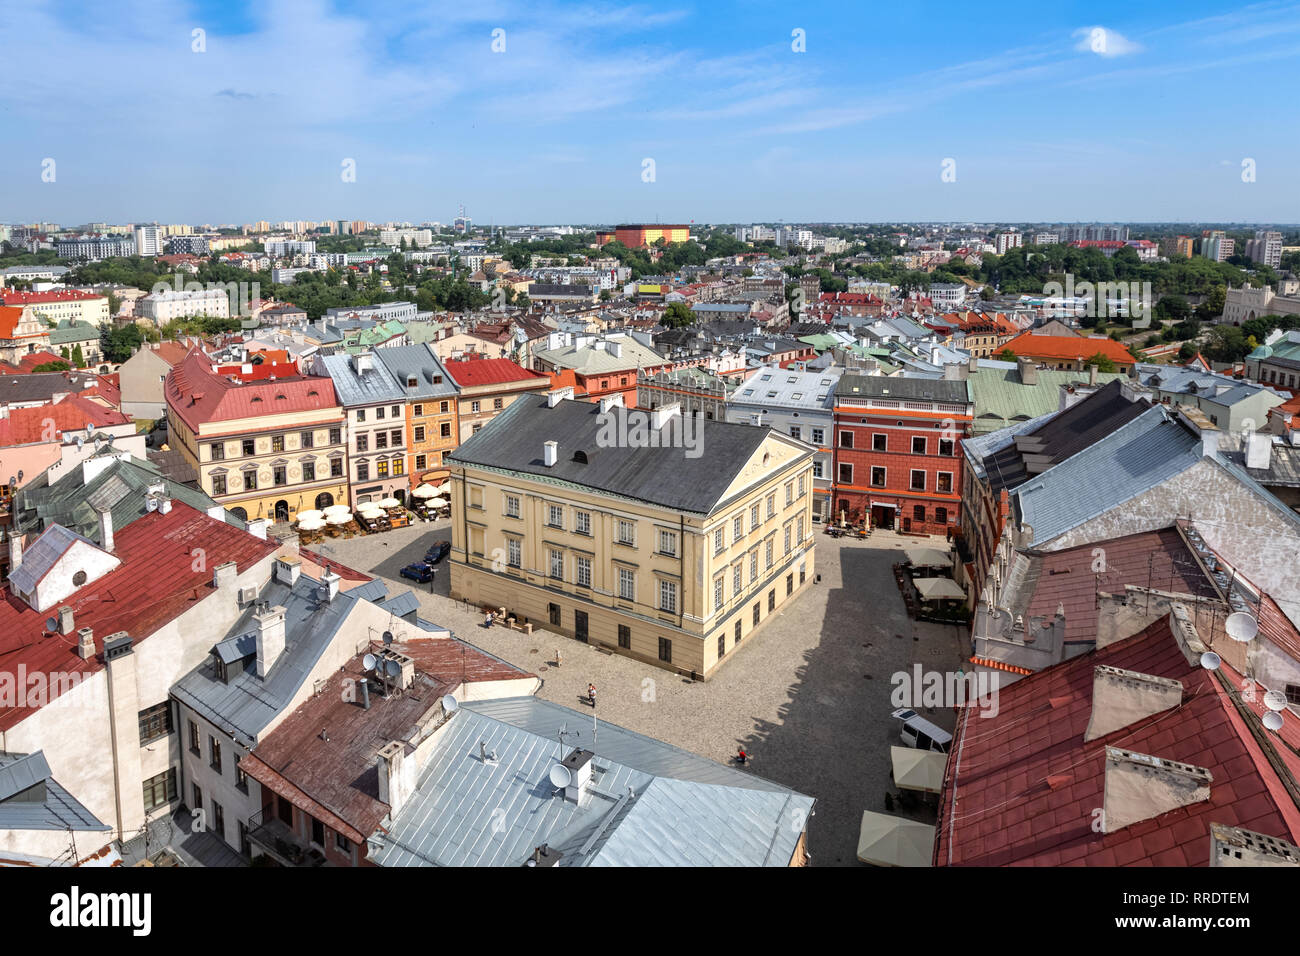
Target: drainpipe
[{"x": 681, "y": 569}]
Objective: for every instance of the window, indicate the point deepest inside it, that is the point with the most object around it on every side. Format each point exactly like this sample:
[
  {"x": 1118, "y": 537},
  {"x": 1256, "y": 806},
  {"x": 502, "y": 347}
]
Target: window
[
  {"x": 218, "y": 820},
  {"x": 753, "y": 517},
  {"x": 918, "y": 480},
  {"x": 443, "y": 408},
  {"x": 554, "y": 614},
  {"x": 802, "y": 486},
  {"x": 819, "y": 436},
  {"x": 217, "y": 451},
  {"x": 241, "y": 779},
  {"x": 722, "y": 645},
  {"x": 557, "y": 565},
  {"x": 719, "y": 591},
  {"x": 719, "y": 540},
  {"x": 381, "y": 440},
  {"x": 626, "y": 532},
  {"x": 419, "y": 432},
  {"x": 399, "y": 466},
  {"x": 381, "y": 469},
  {"x": 879, "y": 442},
  {"x": 582, "y": 567},
  {"x": 665, "y": 650},
  {"x": 941, "y": 515},
  {"x": 846, "y": 439},
  {"x": 306, "y": 440},
  {"x": 512, "y": 506},
  {"x": 379, "y": 413},
  {"x": 214, "y": 753},
  {"x": 160, "y": 790},
  {"x": 771, "y": 505},
  {"x": 277, "y": 443},
  {"x": 582, "y": 522},
  {"x": 474, "y": 407},
  {"x": 198, "y": 798},
  {"x": 753, "y": 566},
  {"x": 444, "y": 430},
  {"x": 737, "y": 580},
  {"x": 155, "y": 722},
  {"x": 789, "y": 584},
  {"x": 945, "y": 481},
  {"x": 514, "y": 557},
  {"x": 668, "y": 596},
  {"x": 417, "y": 410},
  {"x": 846, "y": 473},
  {"x": 946, "y": 447},
  {"x": 361, "y": 414},
  {"x": 877, "y": 477},
  {"x": 247, "y": 447},
  {"x": 395, "y": 438},
  {"x": 396, "y": 411},
  {"x": 757, "y": 608},
  {"x": 318, "y": 828},
  {"x": 363, "y": 444},
  {"x": 363, "y": 471},
  {"x": 767, "y": 552},
  {"x": 279, "y": 476},
  {"x": 336, "y": 436},
  {"x": 309, "y": 471},
  {"x": 336, "y": 467},
  {"x": 1293, "y": 694},
  {"x": 737, "y": 528},
  {"x": 627, "y": 584},
  {"x": 194, "y": 738},
  {"x": 218, "y": 485},
  {"x": 421, "y": 462},
  {"x": 555, "y": 516},
  {"x": 668, "y": 543},
  {"x": 794, "y": 432},
  {"x": 918, "y": 444},
  {"x": 787, "y": 538},
  {"x": 738, "y": 622},
  {"x": 496, "y": 404},
  {"x": 918, "y": 513},
  {"x": 817, "y": 468},
  {"x": 342, "y": 843},
  {"x": 771, "y": 600},
  {"x": 624, "y": 637}
]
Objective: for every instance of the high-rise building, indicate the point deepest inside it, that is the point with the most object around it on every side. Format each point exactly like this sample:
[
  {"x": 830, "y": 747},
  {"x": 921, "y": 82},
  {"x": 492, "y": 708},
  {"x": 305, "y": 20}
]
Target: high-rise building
[
  {"x": 148, "y": 240},
  {"x": 1265, "y": 248},
  {"x": 1008, "y": 240},
  {"x": 1216, "y": 245}
]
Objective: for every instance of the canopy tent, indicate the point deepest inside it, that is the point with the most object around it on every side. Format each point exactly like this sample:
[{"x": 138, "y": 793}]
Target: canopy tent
[
  {"x": 918, "y": 769},
  {"x": 928, "y": 558},
  {"x": 894, "y": 841},
  {"x": 938, "y": 589}
]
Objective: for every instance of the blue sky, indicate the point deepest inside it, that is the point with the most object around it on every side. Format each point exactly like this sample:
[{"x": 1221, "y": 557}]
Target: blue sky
[{"x": 1051, "y": 111}]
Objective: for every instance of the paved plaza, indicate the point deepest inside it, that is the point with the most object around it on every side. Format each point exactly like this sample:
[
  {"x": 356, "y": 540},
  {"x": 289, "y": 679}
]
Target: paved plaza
[{"x": 808, "y": 696}]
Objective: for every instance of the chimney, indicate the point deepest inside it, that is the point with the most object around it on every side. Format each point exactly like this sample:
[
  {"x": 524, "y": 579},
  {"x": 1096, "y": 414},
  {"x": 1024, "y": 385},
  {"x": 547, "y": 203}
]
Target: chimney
[
  {"x": 287, "y": 568},
  {"x": 15, "y": 552},
  {"x": 270, "y": 638},
  {"x": 257, "y": 527},
  {"x": 1259, "y": 450},
  {"x": 4, "y": 410},
  {"x": 394, "y": 785},
  {"x": 330, "y": 584},
  {"x": 664, "y": 413},
  {"x": 106, "y": 530},
  {"x": 974, "y": 364},
  {"x": 223, "y": 575},
  {"x": 1121, "y": 698},
  {"x": 550, "y": 452},
  {"x": 558, "y": 395},
  {"x": 1027, "y": 370},
  {"x": 611, "y": 401},
  {"x": 1092, "y": 375},
  {"x": 1233, "y": 846},
  {"x": 1141, "y": 787},
  {"x": 65, "y": 620},
  {"x": 578, "y": 763},
  {"x": 85, "y": 643}
]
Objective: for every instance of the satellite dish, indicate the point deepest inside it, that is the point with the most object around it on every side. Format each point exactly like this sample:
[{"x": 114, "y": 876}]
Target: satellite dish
[
  {"x": 450, "y": 704},
  {"x": 51, "y": 623},
  {"x": 1210, "y": 661},
  {"x": 560, "y": 776},
  {"x": 1273, "y": 720},
  {"x": 369, "y": 661},
  {"x": 1275, "y": 700},
  {"x": 1241, "y": 627},
  {"x": 90, "y": 429},
  {"x": 388, "y": 637},
  {"x": 393, "y": 668}
]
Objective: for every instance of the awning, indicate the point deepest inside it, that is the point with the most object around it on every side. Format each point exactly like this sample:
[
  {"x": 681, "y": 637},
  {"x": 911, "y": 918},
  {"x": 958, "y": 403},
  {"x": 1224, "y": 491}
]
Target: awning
[
  {"x": 928, "y": 558},
  {"x": 938, "y": 589},
  {"x": 894, "y": 841},
  {"x": 918, "y": 769}
]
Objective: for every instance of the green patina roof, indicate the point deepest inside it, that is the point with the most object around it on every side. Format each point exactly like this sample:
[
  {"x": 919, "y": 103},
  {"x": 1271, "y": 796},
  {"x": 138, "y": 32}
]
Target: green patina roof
[
  {"x": 68, "y": 332},
  {"x": 1001, "y": 399}
]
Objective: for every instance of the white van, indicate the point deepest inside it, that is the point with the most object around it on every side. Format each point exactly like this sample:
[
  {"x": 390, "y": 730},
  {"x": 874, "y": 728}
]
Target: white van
[{"x": 918, "y": 732}]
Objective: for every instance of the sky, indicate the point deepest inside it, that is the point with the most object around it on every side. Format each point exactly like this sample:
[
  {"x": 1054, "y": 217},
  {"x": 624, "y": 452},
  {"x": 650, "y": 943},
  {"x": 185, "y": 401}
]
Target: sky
[{"x": 231, "y": 111}]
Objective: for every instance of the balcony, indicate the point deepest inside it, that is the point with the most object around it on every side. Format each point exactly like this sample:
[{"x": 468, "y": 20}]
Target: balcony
[{"x": 280, "y": 843}]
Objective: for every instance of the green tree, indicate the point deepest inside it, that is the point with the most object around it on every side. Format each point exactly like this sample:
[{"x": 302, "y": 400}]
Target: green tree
[
  {"x": 78, "y": 357},
  {"x": 678, "y": 315},
  {"x": 1103, "y": 362}
]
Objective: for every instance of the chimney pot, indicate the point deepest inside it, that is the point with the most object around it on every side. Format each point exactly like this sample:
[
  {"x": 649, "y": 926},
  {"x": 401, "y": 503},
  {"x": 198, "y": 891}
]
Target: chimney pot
[
  {"x": 85, "y": 643},
  {"x": 550, "y": 453}
]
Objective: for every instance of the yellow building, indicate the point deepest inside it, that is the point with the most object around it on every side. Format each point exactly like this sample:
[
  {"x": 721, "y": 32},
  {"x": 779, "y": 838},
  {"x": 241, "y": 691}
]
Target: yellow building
[
  {"x": 263, "y": 448},
  {"x": 432, "y": 430},
  {"x": 636, "y": 235},
  {"x": 665, "y": 539}
]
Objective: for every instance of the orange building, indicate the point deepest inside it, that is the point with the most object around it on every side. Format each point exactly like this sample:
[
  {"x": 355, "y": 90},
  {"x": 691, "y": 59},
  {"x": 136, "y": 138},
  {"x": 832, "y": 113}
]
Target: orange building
[{"x": 637, "y": 235}]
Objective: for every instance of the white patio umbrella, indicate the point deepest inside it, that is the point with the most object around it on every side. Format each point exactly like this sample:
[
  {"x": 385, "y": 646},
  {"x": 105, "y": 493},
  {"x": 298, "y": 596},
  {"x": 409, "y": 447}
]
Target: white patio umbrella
[
  {"x": 934, "y": 589},
  {"x": 367, "y": 511},
  {"x": 928, "y": 558},
  {"x": 894, "y": 841},
  {"x": 425, "y": 490},
  {"x": 311, "y": 524},
  {"x": 342, "y": 517},
  {"x": 918, "y": 769},
  {"x": 437, "y": 502},
  {"x": 310, "y": 515},
  {"x": 336, "y": 510},
  {"x": 389, "y": 503}
]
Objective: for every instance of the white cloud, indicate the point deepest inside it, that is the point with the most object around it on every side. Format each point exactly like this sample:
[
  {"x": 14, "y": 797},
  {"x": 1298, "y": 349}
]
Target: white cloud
[{"x": 1105, "y": 42}]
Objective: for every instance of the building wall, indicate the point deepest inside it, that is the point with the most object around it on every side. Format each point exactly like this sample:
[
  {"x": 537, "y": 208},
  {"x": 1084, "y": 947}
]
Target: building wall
[
  {"x": 384, "y": 468},
  {"x": 471, "y": 419},
  {"x": 434, "y": 446}
]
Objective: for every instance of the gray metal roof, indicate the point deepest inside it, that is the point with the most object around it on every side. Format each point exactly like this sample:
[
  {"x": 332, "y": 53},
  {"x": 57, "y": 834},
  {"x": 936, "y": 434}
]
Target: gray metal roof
[
  {"x": 245, "y": 704},
  {"x": 682, "y": 809},
  {"x": 42, "y": 555},
  {"x": 59, "y": 810},
  {"x": 418, "y": 362},
  {"x": 788, "y": 388},
  {"x": 665, "y": 476},
  {"x": 905, "y": 389},
  {"x": 361, "y": 388}
]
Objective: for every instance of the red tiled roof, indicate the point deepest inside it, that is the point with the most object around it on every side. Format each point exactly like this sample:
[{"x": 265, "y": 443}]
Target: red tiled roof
[
  {"x": 1068, "y": 347},
  {"x": 10, "y": 316},
  {"x": 33, "y": 359},
  {"x": 470, "y": 372},
  {"x": 155, "y": 583},
  {"x": 199, "y": 395},
  {"x": 26, "y": 426},
  {"x": 13, "y": 297},
  {"x": 1021, "y": 787}
]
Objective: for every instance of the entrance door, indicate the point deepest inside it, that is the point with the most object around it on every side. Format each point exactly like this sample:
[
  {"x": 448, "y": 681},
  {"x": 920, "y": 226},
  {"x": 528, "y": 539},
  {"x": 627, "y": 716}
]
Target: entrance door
[
  {"x": 580, "y": 625},
  {"x": 554, "y": 611},
  {"x": 324, "y": 500},
  {"x": 882, "y": 517},
  {"x": 281, "y": 511}
]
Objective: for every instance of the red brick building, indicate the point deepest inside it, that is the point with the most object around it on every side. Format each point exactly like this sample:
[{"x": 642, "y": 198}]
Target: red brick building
[{"x": 897, "y": 455}]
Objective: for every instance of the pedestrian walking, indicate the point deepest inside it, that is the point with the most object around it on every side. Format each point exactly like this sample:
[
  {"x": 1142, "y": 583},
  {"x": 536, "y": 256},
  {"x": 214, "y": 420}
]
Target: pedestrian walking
[{"x": 591, "y": 694}]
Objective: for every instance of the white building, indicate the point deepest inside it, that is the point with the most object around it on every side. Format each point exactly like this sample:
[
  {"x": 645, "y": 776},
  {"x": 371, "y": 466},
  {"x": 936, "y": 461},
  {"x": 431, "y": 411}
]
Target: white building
[
  {"x": 162, "y": 307},
  {"x": 947, "y": 295},
  {"x": 1008, "y": 240},
  {"x": 416, "y": 237},
  {"x": 148, "y": 240}
]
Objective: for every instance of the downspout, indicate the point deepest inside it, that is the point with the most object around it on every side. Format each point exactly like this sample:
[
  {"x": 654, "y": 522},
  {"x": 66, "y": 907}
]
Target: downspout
[{"x": 681, "y": 570}]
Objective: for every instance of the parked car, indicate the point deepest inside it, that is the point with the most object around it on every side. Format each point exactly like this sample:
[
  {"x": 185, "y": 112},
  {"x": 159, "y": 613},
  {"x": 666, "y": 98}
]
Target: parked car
[
  {"x": 918, "y": 732},
  {"x": 420, "y": 571},
  {"x": 437, "y": 552}
]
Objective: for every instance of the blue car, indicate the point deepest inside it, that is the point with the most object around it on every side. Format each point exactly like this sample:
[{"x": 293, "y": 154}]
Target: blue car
[
  {"x": 418, "y": 572},
  {"x": 436, "y": 553}
]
